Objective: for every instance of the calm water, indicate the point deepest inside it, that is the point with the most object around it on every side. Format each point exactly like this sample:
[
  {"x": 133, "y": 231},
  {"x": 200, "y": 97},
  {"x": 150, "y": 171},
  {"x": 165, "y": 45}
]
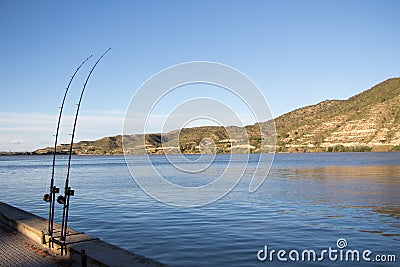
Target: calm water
[{"x": 307, "y": 202}]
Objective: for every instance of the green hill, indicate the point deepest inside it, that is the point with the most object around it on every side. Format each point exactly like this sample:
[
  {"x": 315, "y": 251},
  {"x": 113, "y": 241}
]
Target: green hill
[{"x": 369, "y": 121}]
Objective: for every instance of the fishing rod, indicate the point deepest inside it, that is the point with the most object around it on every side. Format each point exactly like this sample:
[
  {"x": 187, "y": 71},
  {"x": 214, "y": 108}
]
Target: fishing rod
[
  {"x": 53, "y": 189},
  {"x": 68, "y": 192}
]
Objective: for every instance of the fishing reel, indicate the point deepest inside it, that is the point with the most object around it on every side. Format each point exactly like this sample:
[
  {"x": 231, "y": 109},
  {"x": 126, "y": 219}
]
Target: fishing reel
[
  {"x": 62, "y": 200},
  {"x": 46, "y": 198},
  {"x": 53, "y": 190}
]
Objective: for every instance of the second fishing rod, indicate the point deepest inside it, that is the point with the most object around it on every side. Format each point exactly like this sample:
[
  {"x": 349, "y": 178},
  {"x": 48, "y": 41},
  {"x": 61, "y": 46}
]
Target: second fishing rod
[{"x": 68, "y": 192}]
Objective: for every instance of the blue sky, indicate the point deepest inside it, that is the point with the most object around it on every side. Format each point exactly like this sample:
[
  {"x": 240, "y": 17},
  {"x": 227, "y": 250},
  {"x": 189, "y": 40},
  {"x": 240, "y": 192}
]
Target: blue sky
[{"x": 297, "y": 52}]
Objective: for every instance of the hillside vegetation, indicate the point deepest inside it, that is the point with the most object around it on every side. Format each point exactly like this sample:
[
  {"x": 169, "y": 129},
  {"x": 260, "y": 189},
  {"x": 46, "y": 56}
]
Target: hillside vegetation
[{"x": 369, "y": 121}]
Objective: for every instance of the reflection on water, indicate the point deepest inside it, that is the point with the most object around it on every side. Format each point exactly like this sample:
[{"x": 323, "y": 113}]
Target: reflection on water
[
  {"x": 371, "y": 188},
  {"x": 387, "y": 210},
  {"x": 388, "y": 173}
]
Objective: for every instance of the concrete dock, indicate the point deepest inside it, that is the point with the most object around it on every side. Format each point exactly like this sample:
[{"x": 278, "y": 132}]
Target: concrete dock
[
  {"x": 22, "y": 244},
  {"x": 18, "y": 250}
]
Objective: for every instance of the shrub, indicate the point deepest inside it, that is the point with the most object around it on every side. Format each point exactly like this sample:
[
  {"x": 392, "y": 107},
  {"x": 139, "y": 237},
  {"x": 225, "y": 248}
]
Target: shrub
[{"x": 396, "y": 148}]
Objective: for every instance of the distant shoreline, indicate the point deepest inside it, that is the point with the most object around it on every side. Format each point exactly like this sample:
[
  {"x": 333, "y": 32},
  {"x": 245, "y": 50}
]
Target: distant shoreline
[{"x": 298, "y": 152}]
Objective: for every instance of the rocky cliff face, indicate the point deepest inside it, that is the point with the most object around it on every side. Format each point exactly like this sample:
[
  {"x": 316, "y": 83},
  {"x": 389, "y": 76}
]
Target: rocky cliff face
[{"x": 369, "y": 121}]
